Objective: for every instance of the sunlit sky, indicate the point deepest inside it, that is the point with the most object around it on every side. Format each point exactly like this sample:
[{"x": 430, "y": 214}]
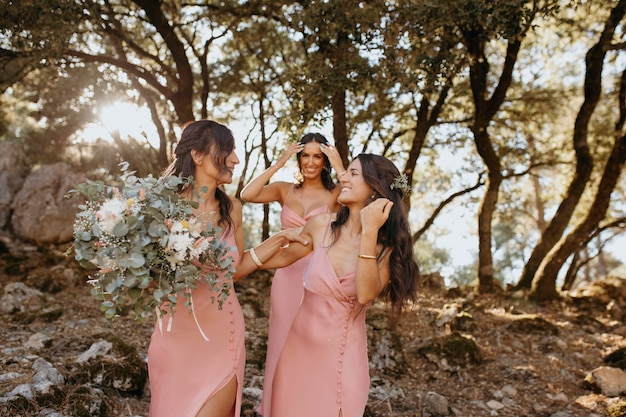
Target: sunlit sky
[{"x": 125, "y": 118}]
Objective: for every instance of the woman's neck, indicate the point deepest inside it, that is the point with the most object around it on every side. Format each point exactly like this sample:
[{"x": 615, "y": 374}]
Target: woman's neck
[
  {"x": 205, "y": 195},
  {"x": 353, "y": 225}
]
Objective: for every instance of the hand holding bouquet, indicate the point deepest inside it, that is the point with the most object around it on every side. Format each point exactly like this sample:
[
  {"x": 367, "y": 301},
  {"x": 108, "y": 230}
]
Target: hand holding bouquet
[{"x": 147, "y": 245}]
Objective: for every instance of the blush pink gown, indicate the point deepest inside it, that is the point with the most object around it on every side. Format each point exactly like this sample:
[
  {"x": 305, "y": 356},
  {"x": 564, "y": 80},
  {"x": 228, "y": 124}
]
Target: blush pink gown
[
  {"x": 285, "y": 297},
  {"x": 185, "y": 369},
  {"x": 323, "y": 367}
]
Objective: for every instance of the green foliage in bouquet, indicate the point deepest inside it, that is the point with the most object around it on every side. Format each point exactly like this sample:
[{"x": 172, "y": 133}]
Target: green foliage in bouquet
[{"x": 147, "y": 246}]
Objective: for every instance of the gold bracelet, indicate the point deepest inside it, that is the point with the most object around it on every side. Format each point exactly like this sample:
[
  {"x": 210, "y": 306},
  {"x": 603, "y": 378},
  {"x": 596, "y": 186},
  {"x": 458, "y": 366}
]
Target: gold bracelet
[
  {"x": 255, "y": 258},
  {"x": 367, "y": 256}
]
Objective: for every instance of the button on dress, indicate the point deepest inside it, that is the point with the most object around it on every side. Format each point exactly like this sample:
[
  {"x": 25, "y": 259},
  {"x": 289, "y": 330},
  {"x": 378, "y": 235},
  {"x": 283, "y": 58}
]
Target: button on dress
[
  {"x": 285, "y": 298},
  {"x": 185, "y": 369},
  {"x": 323, "y": 366}
]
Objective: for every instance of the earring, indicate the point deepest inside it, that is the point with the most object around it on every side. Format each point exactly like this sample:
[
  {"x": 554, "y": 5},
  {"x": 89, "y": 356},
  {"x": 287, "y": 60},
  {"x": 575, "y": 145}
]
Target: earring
[{"x": 373, "y": 196}]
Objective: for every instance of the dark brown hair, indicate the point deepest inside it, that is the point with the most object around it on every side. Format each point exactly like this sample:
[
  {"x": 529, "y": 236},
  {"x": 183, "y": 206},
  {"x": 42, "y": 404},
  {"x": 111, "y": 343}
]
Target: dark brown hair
[
  {"x": 327, "y": 179},
  {"x": 208, "y": 138},
  {"x": 395, "y": 235}
]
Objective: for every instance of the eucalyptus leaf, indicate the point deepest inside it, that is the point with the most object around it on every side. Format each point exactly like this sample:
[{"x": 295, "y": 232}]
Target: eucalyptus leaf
[
  {"x": 120, "y": 229},
  {"x": 110, "y": 314},
  {"x": 131, "y": 222},
  {"x": 134, "y": 256},
  {"x": 130, "y": 282},
  {"x": 134, "y": 293}
]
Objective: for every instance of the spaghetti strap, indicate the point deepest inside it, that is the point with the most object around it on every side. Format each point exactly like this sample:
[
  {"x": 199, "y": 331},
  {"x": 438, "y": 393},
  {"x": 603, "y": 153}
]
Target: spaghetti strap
[
  {"x": 330, "y": 219},
  {"x": 291, "y": 187},
  {"x": 330, "y": 198}
]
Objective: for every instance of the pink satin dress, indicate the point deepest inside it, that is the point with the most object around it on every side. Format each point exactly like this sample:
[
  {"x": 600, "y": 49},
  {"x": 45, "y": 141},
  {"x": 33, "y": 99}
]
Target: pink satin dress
[
  {"x": 285, "y": 297},
  {"x": 323, "y": 367},
  {"x": 184, "y": 368}
]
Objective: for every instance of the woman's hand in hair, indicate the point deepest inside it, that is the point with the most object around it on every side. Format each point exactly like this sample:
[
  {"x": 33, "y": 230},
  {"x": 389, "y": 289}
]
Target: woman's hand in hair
[
  {"x": 376, "y": 213},
  {"x": 334, "y": 158}
]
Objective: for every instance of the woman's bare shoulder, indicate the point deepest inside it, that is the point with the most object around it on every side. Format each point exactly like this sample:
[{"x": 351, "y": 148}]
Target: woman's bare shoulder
[
  {"x": 236, "y": 208},
  {"x": 236, "y": 202}
]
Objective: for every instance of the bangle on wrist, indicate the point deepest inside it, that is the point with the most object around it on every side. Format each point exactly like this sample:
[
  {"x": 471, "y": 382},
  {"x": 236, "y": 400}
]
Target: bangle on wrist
[
  {"x": 367, "y": 256},
  {"x": 255, "y": 258},
  {"x": 341, "y": 174}
]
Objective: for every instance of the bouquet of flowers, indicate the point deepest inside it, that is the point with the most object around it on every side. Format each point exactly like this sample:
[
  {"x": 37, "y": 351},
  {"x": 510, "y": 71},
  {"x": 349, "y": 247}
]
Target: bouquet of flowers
[{"x": 147, "y": 246}]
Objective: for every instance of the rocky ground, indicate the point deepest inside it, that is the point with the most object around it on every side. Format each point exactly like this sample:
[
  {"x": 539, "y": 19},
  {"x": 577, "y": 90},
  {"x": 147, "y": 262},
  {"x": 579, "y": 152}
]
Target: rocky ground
[{"x": 455, "y": 354}]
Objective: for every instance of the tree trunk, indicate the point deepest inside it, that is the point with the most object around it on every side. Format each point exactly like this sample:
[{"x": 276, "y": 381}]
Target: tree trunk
[
  {"x": 182, "y": 94},
  {"x": 537, "y": 190},
  {"x": 570, "y": 275},
  {"x": 425, "y": 120},
  {"x": 265, "y": 228},
  {"x": 601, "y": 270},
  {"x": 486, "y": 280},
  {"x": 338, "y": 100},
  {"x": 485, "y": 110},
  {"x": 547, "y": 259},
  {"x": 340, "y": 127},
  {"x": 547, "y": 273},
  {"x": 584, "y": 161}
]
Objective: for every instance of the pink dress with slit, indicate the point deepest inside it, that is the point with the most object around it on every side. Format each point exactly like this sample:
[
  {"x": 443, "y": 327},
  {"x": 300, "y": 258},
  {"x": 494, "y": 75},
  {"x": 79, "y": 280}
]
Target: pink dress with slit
[
  {"x": 285, "y": 297},
  {"x": 185, "y": 369},
  {"x": 323, "y": 367}
]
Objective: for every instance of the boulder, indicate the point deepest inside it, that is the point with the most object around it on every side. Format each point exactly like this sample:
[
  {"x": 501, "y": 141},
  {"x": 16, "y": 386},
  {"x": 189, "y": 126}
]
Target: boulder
[
  {"x": 20, "y": 297},
  {"x": 41, "y": 211},
  {"x": 13, "y": 171},
  {"x": 607, "y": 380}
]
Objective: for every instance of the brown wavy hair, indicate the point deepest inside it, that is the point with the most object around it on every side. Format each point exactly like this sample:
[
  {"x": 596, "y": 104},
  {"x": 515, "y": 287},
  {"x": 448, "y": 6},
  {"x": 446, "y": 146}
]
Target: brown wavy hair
[
  {"x": 327, "y": 178},
  {"x": 395, "y": 235},
  {"x": 211, "y": 139}
]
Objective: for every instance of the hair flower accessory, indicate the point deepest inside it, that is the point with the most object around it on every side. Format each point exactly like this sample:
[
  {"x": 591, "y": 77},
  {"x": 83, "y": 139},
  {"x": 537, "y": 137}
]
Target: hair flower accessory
[{"x": 401, "y": 182}]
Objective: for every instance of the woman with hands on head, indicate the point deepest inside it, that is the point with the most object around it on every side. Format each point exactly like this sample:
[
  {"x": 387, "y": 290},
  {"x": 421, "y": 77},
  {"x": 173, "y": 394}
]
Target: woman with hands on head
[
  {"x": 314, "y": 192},
  {"x": 196, "y": 360},
  {"x": 362, "y": 252}
]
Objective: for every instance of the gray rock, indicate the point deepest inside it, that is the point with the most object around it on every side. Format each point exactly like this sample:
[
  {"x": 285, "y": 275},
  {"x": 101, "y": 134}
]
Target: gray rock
[
  {"x": 113, "y": 364},
  {"x": 20, "y": 297},
  {"x": 25, "y": 390},
  {"x": 610, "y": 381},
  {"x": 100, "y": 348},
  {"x": 13, "y": 171},
  {"x": 435, "y": 405},
  {"x": 37, "y": 341},
  {"x": 383, "y": 389},
  {"x": 46, "y": 376},
  {"x": 51, "y": 413},
  {"x": 9, "y": 376},
  {"x": 46, "y": 372},
  {"x": 42, "y": 200},
  {"x": 447, "y": 315}
]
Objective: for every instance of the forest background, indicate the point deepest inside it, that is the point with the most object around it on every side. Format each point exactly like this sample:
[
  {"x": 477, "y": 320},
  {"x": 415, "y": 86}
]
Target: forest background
[{"x": 507, "y": 116}]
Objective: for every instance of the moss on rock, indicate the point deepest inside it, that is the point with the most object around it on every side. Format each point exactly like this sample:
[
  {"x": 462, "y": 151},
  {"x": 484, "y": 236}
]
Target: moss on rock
[
  {"x": 457, "y": 349},
  {"x": 533, "y": 324}
]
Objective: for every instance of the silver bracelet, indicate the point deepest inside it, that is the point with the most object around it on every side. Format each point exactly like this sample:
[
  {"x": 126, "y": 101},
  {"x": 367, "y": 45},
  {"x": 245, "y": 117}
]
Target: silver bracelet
[{"x": 255, "y": 258}]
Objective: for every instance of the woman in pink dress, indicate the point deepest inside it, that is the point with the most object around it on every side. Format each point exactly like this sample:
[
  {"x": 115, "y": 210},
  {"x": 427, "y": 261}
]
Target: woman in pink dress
[
  {"x": 196, "y": 358},
  {"x": 314, "y": 193},
  {"x": 361, "y": 252}
]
